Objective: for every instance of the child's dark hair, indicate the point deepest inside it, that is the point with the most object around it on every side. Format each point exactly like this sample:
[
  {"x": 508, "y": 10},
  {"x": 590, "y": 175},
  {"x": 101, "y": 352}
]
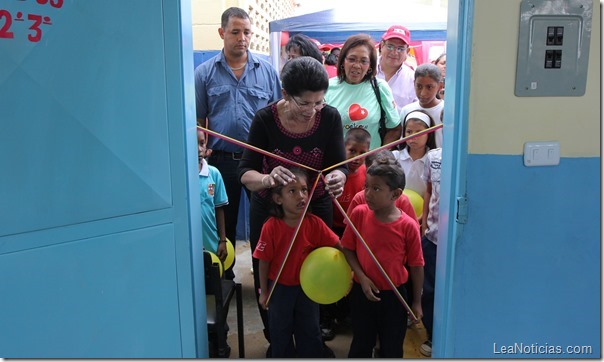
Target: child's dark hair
[
  {"x": 275, "y": 209},
  {"x": 428, "y": 70},
  {"x": 383, "y": 154},
  {"x": 431, "y": 142},
  {"x": 358, "y": 135},
  {"x": 391, "y": 172}
]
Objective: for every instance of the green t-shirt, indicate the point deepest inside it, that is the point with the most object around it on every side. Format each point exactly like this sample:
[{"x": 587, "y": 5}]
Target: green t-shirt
[{"x": 358, "y": 106}]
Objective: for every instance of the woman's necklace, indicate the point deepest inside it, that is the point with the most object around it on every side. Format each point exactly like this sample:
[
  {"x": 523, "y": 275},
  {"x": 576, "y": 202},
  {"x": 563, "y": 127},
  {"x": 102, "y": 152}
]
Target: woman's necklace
[
  {"x": 290, "y": 124},
  {"x": 293, "y": 125}
]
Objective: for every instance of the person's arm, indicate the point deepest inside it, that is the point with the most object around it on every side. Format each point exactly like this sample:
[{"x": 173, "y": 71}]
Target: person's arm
[
  {"x": 221, "y": 252},
  {"x": 256, "y": 181},
  {"x": 427, "y": 196},
  {"x": 335, "y": 151},
  {"x": 201, "y": 97},
  {"x": 415, "y": 261},
  {"x": 393, "y": 134},
  {"x": 367, "y": 285},
  {"x": 276, "y": 87},
  {"x": 349, "y": 240},
  {"x": 416, "y": 273},
  {"x": 263, "y": 267},
  {"x": 250, "y": 166}
]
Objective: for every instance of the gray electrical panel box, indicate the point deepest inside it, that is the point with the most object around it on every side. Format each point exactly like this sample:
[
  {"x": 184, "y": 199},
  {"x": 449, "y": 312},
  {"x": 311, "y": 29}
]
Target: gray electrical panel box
[{"x": 553, "y": 47}]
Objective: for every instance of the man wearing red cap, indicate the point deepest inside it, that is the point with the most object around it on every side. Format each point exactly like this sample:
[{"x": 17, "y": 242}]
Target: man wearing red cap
[{"x": 394, "y": 49}]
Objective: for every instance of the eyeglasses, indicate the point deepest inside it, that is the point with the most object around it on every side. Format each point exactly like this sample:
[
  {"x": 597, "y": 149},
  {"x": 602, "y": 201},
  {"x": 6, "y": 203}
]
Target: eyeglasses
[
  {"x": 317, "y": 106},
  {"x": 354, "y": 60},
  {"x": 391, "y": 47}
]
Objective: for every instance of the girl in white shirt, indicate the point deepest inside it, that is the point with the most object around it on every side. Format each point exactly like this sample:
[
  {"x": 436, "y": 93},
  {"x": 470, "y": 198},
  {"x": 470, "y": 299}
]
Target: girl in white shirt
[{"x": 413, "y": 152}]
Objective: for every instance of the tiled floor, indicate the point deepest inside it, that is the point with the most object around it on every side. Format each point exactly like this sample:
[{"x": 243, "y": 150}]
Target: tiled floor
[{"x": 255, "y": 344}]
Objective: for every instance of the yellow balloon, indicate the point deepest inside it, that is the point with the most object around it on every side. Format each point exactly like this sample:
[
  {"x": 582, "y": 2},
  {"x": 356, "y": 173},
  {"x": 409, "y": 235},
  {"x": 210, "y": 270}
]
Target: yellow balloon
[
  {"x": 230, "y": 258},
  {"x": 325, "y": 275},
  {"x": 215, "y": 259},
  {"x": 416, "y": 201}
]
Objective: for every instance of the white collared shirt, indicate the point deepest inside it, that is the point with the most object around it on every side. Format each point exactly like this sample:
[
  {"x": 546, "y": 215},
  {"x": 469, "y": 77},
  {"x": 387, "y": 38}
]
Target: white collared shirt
[
  {"x": 204, "y": 168},
  {"x": 413, "y": 170},
  {"x": 401, "y": 85}
]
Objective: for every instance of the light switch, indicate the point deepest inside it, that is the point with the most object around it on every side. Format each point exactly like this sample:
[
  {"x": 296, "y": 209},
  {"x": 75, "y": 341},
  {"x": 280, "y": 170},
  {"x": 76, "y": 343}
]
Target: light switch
[
  {"x": 559, "y": 36},
  {"x": 542, "y": 153},
  {"x": 551, "y": 35}
]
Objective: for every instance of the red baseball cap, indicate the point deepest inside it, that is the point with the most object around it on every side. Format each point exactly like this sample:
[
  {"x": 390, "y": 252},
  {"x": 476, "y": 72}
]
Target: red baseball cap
[{"x": 399, "y": 32}]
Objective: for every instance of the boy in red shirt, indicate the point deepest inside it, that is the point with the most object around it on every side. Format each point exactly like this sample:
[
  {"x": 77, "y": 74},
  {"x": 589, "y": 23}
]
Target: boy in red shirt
[
  {"x": 356, "y": 142},
  {"x": 393, "y": 237},
  {"x": 402, "y": 202}
]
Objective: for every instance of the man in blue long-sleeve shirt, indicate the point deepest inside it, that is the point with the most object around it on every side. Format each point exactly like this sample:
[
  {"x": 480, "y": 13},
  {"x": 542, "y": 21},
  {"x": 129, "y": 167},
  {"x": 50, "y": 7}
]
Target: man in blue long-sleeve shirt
[{"x": 229, "y": 89}]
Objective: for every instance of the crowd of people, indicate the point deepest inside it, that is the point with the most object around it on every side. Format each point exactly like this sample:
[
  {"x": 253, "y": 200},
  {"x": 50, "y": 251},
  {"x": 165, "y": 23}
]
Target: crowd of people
[{"x": 319, "y": 112}]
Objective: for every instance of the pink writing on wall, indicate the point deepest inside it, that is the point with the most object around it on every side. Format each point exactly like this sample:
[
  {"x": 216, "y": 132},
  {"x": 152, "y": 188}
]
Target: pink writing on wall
[{"x": 8, "y": 22}]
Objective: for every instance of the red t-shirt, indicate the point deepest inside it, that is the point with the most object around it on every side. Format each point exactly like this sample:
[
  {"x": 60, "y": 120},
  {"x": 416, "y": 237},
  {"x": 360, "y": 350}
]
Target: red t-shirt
[
  {"x": 354, "y": 183},
  {"x": 402, "y": 203},
  {"x": 394, "y": 244},
  {"x": 274, "y": 242}
]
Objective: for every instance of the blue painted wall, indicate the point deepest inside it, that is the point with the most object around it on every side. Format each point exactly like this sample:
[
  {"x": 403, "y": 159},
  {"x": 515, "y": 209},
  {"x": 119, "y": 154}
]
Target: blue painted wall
[
  {"x": 200, "y": 56},
  {"x": 527, "y": 266},
  {"x": 522, "y": 268}
]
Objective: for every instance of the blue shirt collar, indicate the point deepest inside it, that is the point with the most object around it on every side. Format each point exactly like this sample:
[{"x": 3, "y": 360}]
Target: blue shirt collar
[{"x": 250, "y": 58}]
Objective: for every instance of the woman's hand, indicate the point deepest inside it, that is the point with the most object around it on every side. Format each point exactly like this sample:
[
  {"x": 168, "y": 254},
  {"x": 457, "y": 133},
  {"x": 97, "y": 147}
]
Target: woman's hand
[
  {"x": 256, "y": 181},
  {"x": 335, "y": 183},
  {"x": 282, "y": 175}
]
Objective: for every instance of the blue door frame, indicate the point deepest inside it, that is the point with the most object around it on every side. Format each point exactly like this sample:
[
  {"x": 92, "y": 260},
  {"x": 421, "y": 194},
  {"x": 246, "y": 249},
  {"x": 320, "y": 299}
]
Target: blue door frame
[{"x": 453, "y": 177}]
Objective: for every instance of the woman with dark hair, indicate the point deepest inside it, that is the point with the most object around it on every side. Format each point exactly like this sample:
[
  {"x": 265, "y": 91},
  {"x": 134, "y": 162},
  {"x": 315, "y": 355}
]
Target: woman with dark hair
[
  {"x": 331, "y": 65},
  {"x": 441, "y": 63},
  {"x": 302, "y": 128},
  {"x": 353, "y": 94},
  {"x": 300, "y": 45}
]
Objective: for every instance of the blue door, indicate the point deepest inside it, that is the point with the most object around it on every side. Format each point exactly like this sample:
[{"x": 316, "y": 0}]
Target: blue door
[{"x": 99, "y": 239}]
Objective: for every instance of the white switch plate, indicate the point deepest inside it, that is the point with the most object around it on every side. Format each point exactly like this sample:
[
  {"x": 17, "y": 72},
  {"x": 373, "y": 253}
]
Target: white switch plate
[{"x": 542, "y": 153}]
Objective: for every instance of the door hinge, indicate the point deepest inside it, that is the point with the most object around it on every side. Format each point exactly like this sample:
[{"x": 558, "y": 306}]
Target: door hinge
[{"x": 462, "y": 210}]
